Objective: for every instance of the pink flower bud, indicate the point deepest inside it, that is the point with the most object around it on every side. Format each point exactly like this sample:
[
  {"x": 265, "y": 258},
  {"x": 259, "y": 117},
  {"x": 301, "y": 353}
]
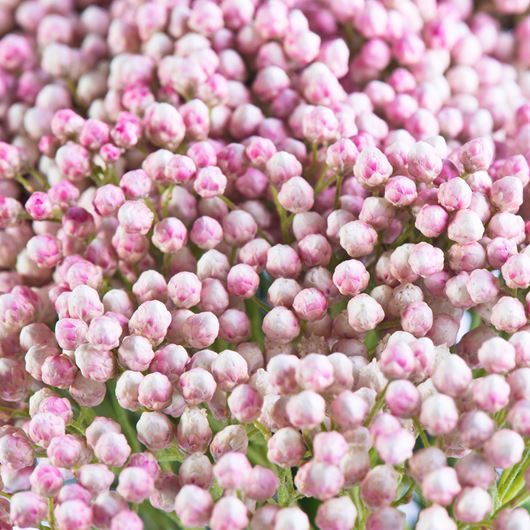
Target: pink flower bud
[
  {"x": 245, "y": 403},
  {"x": 516, "y": 271},
  {"x": 135, "y": 484},
  {"x": 482, "y": 286},
  {"x": 44, "y": 426},
  {"x": 155, "y": 391},
  {"x": 280, "y": 325},
  {"x": 466, "y": 227},
  {"x": 242, "y": 281},
  {"x": 441, "y": 486},
  {"x": 291, "y": 519},
  {"x": 39, "y": 205},
  {"x": 435, "y": 518},
  {"x": 452, "y": 376},
  {"x": 286, "y": 447},
  {"x": 439, "y": 414},
  {"x": 261, "y": 483},
  {"x": 491, "y": 393},
  {"x": 27, "y": 509},
  {"x": 184, "y": 289},
  {"x": 196, "y": 470},
  {"x": 364, "y": 313},
  {"x": 512, "y": 519},
  {"x": 426, "y": 260},
  {"x": 84, "y": 303},
  {"x": 155, "y": 430},
  {"x": 229, "y": 513},
  {"x": 94, "y": 363},
  {"x": 169, "y": 235},
  {"x": 507, "y": 194},
  {"x": 104, "y": 332},
  {"x": 126, "y": 520},
  {"x": 379, "y": 487},
  {"x": 193, "y": 431},
  {"x": 151, "y": 320},
  {"x": 310, "y": 304},
  {"x": 431, "y": 220},
  {"x": 112, "y": 449},
  {"x": 357, "y": 238},
  {"x": 206, "y": 233},
  {"x": 232, "y": 471},
  {"x": 397, "y": 360},
  {"x": 16, "y": 451},
  {"x": 508, "y": 314},
  {"x": 96, "y": 478},
  {"x": 283, "y": 261},
  {"x": 201, "y": 329},
  {"x": 46, "y": 480},
  {"x": 180, "y": 169},
  {"x": 402, "y": 398},
  {"x": 504, "y": 449},
  {"x": 306, "y": 410},
  {"x": 164, "y": 125},
  {"x": 349, "y": 410},
  {"x": 386, "y": 517},
  {"x": 73, "y": 161},
  {"x": 336, "y": 514},
  {"x": 472, "y": 505},
  {"x": 474, "y": 470},
  {"x": 229, "y": 369},
  {"x": 424, "y": 163},
  {"x": 497, "y": 355},
  {"x": 372, "y": 167},
  {"x": 171, "y": 361},
  {"x": 193, "y": 505},
  {"x": 209, "y": 182},
  {"x": 135, "y": 217},
  {"x": 66, "y": 451},
  {"x": 477, "y": 154},
  {"x": 296, "y": 195},
  {"x": 320, "y": 480},
  {"x": 197, "y": 386}
]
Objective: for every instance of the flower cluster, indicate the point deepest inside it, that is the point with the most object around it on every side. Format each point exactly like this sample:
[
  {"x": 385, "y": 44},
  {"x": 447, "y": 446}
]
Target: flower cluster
[{"x": 264, "y": 264}]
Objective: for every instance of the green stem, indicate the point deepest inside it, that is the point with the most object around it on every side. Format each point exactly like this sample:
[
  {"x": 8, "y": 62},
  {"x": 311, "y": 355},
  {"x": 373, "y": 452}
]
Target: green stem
[
  {"x": 322, "y": 182},
  {"x": 228, "y": 202},
  {"x": 262, "y": 429},
  {"x": 286, "y": 491},
  {"x": 15, "y": 412},
  {"x": 123, "y": 419},
  {"x": 51, "y": 515},
  {"x": 260, "y": 304},
  {"x": 39, "y": 178},
  {"x": 126, "y": 283},
  {"x": 166, "y": 199},
  {"x": 421, "y": 432},
  {"x": 509, "y": 476},
  {"x": 405, "y": 494},
  {"x": 516, "y": 501},
  {"x": 151, "y": 206},
  {"x": 389, "y": 324},
  {"x": 253, "y": 312},
  {"x": 377, "y": 406},
  {"x": 338, "y": 190},
  {"x": 25, "y": 183},
  {"x": 282, "y": 214},
  {"x": 355, "y": 495}
]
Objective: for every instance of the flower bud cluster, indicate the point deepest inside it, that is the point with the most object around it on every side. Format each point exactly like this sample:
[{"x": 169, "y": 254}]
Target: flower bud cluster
[{"x": 264, "y": 264}]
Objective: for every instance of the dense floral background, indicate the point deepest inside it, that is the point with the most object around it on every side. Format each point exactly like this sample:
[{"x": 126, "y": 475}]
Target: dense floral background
[{"x": 265, "y": 264}]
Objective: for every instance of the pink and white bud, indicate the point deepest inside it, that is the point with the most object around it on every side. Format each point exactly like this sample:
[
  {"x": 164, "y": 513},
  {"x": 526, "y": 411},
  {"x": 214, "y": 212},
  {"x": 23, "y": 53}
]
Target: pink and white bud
[{"x": 193, "y": 505}]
